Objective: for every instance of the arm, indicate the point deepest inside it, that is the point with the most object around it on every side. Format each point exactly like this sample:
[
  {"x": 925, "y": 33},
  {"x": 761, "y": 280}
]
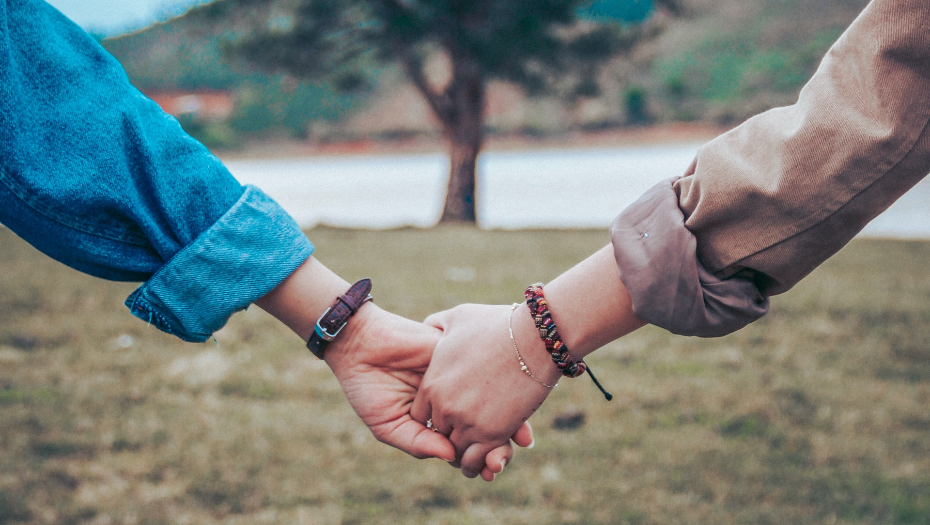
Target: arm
[
  {"x": 379, "y": 358},
  {"x": 759, "y": 208},
  {"x": 474, "y": 385},
  {"x": 98, "y": 177}
]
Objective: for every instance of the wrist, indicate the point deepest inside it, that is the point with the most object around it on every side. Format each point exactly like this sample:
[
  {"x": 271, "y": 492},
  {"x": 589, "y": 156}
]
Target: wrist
[
  {"x": 300, "y": 299},
  {"x": 351, "y": 339},
  {"x": 590, "y": 304},
  {"x": 531, "y": 347},
  {"x": 573, "y": 330},
  {"x": 334, "y": 320}
]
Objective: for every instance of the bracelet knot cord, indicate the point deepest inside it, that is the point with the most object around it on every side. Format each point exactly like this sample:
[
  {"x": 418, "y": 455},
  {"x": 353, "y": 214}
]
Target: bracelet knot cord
[{"x": 549, "y": 333}]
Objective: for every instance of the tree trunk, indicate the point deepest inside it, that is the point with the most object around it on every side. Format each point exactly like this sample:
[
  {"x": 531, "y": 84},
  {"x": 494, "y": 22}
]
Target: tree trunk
[
  {"x": 460, "y": 196},
  {"x": 464, "y": 129}
]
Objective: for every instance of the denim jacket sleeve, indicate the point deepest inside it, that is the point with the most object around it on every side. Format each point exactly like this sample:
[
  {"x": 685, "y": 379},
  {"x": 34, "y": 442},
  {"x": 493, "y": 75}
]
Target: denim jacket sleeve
[{"x": 97, "y": 176}]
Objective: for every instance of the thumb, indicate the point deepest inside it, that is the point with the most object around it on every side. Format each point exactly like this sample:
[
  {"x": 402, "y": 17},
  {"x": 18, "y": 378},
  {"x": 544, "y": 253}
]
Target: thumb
[
  {"x": 435, "y": 445},
  {"x": 415, "y": 439},
  {"x": 438, "y": 320},
  {"x": 524, "y": 436}
]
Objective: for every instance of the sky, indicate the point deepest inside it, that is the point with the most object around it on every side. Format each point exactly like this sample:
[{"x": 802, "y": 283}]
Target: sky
[{"x": 112, "y": 17}]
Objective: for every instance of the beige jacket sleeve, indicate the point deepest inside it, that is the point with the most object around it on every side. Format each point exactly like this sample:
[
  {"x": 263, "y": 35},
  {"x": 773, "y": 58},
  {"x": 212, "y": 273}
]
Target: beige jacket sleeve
[{"x": 764, "y": 204}]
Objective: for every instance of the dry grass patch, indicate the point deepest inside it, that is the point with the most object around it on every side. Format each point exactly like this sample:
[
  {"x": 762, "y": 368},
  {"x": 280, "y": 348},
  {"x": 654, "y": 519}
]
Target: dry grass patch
[{"x": 816, "y": 414}]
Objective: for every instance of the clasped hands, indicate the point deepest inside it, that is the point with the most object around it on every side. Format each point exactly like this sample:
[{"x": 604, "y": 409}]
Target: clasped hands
[{"x": 458, "y": 370}]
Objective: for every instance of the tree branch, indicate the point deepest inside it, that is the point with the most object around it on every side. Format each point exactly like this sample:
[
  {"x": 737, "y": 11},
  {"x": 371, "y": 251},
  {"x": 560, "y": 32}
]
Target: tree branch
[{"x": 440, "y": 103}]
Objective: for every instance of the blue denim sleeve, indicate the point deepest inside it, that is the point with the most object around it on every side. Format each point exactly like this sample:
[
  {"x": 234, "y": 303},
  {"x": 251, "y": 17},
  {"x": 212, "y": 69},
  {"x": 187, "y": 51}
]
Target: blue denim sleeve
[{"x": 97, "y": 176}]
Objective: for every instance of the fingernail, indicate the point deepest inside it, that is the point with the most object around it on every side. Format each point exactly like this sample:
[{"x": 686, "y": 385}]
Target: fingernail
[
  {"x": 532, "y": 443},
  {"x": 503, "y": 464}
]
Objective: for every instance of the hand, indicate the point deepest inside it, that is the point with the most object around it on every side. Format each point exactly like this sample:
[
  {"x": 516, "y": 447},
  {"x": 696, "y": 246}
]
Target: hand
[
  {"x": 475, "y": 390},
  {"x": 379, "y": 360}
]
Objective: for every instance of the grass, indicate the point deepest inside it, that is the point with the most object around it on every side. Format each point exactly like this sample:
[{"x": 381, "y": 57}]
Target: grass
[{"x": 815, "y": 414}]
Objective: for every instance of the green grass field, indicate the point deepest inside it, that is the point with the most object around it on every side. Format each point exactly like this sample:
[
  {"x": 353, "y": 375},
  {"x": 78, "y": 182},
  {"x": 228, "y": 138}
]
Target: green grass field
[{"x": 818, "y": 413}]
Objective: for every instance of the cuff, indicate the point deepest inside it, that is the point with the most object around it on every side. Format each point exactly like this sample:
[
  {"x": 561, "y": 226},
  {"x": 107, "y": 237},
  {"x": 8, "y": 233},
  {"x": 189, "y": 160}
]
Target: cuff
[
  {"x": 669, "y": 287},
  {"x": 243, "y": 256}
]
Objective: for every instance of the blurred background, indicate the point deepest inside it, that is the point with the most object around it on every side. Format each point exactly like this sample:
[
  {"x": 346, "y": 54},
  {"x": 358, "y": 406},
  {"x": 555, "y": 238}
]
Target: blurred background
[
  {"x": 313, "y": 99},
  {"x": 437, "y": 116},
  {"x": 715, "y": 62}
]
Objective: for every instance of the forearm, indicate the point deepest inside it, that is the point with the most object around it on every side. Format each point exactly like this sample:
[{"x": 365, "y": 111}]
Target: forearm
[
  {"x": 98, "y": 177},
  {"x": 301, "y": 298},
  {"x": 590, "y": 304}
]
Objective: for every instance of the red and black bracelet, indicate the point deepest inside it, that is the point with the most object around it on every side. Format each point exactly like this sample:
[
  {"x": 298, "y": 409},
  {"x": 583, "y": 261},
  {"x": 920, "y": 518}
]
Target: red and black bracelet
[{"x": 549, "y": 333}]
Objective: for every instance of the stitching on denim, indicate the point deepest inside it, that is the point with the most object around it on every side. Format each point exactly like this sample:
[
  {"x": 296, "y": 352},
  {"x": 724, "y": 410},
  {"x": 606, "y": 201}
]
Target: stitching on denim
[
  {"x": 140, "y": 305},
  {"x": 73, "y": 223}
]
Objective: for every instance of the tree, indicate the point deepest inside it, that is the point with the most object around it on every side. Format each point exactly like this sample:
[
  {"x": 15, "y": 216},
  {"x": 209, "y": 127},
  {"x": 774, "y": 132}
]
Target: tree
[{"x": 537, "y": 44}]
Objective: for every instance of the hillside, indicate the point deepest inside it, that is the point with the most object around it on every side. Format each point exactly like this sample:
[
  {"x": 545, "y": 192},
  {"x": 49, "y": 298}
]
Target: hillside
[{"x": 724, "y": 61}]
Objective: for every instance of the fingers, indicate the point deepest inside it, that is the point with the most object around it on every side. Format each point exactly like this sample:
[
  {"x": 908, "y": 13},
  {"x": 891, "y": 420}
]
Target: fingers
[
  {"x": 496, "y": 460},
  {"x": 524, "y": 436},
  {"x": 421, "y": 409},
  {"x": 473, "y": 460},
  {"x": 415, "y": 439}
]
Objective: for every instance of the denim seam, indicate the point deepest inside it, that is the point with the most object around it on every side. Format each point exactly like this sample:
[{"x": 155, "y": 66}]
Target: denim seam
[
  {"x": 72, "y": 223},
  {"x": 141, "y": 305}
]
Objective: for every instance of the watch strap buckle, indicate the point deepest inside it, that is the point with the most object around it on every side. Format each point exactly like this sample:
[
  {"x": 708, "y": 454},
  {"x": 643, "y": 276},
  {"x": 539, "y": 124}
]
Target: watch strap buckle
[{"x": 337, "y": 316}]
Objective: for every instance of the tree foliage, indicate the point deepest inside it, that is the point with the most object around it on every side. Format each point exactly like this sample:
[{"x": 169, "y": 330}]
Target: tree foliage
[
  {"x": 541, "y": 45},
  {"x": 537, "y": 44}
]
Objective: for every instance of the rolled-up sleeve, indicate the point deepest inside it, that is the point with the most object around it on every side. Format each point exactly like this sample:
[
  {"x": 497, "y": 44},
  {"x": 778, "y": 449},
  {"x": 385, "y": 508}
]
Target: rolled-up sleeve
[
  {"x": 766, "y": 203},
  {"x": 97, "y": 176},
  {"x": 238, "y": 259}
]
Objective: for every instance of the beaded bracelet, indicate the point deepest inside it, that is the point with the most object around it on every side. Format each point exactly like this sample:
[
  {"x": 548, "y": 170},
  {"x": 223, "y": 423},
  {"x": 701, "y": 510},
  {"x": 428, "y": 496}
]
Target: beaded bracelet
[{"x": 549, "y": 333}]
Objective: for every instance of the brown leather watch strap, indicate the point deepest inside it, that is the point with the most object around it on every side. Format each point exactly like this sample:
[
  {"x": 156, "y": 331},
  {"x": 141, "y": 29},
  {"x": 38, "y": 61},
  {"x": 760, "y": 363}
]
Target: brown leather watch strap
[{"x": 337, "y": 316}]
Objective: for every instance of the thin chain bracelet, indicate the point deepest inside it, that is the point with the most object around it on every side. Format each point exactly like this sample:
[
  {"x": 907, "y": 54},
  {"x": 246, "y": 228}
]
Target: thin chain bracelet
[{"x": 523, "y": 366}]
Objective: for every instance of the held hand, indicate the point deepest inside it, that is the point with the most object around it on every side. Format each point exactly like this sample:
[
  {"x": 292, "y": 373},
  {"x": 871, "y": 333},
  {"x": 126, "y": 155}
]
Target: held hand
[
  {"x": 475, "y": 390},
  {"x": 379, "y": 360}
]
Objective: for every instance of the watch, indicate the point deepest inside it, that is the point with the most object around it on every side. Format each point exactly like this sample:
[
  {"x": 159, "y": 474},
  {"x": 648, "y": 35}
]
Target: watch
[{"x": 335, "y": 318}]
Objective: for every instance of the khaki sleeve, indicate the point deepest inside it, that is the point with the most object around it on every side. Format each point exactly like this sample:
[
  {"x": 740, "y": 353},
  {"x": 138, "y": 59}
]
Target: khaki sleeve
[{"x": 766, "y": 203}]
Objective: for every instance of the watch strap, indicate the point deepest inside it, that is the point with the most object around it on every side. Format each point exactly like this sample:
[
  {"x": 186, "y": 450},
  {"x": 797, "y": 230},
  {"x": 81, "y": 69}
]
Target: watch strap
[{"x": 337, "y": 316}]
